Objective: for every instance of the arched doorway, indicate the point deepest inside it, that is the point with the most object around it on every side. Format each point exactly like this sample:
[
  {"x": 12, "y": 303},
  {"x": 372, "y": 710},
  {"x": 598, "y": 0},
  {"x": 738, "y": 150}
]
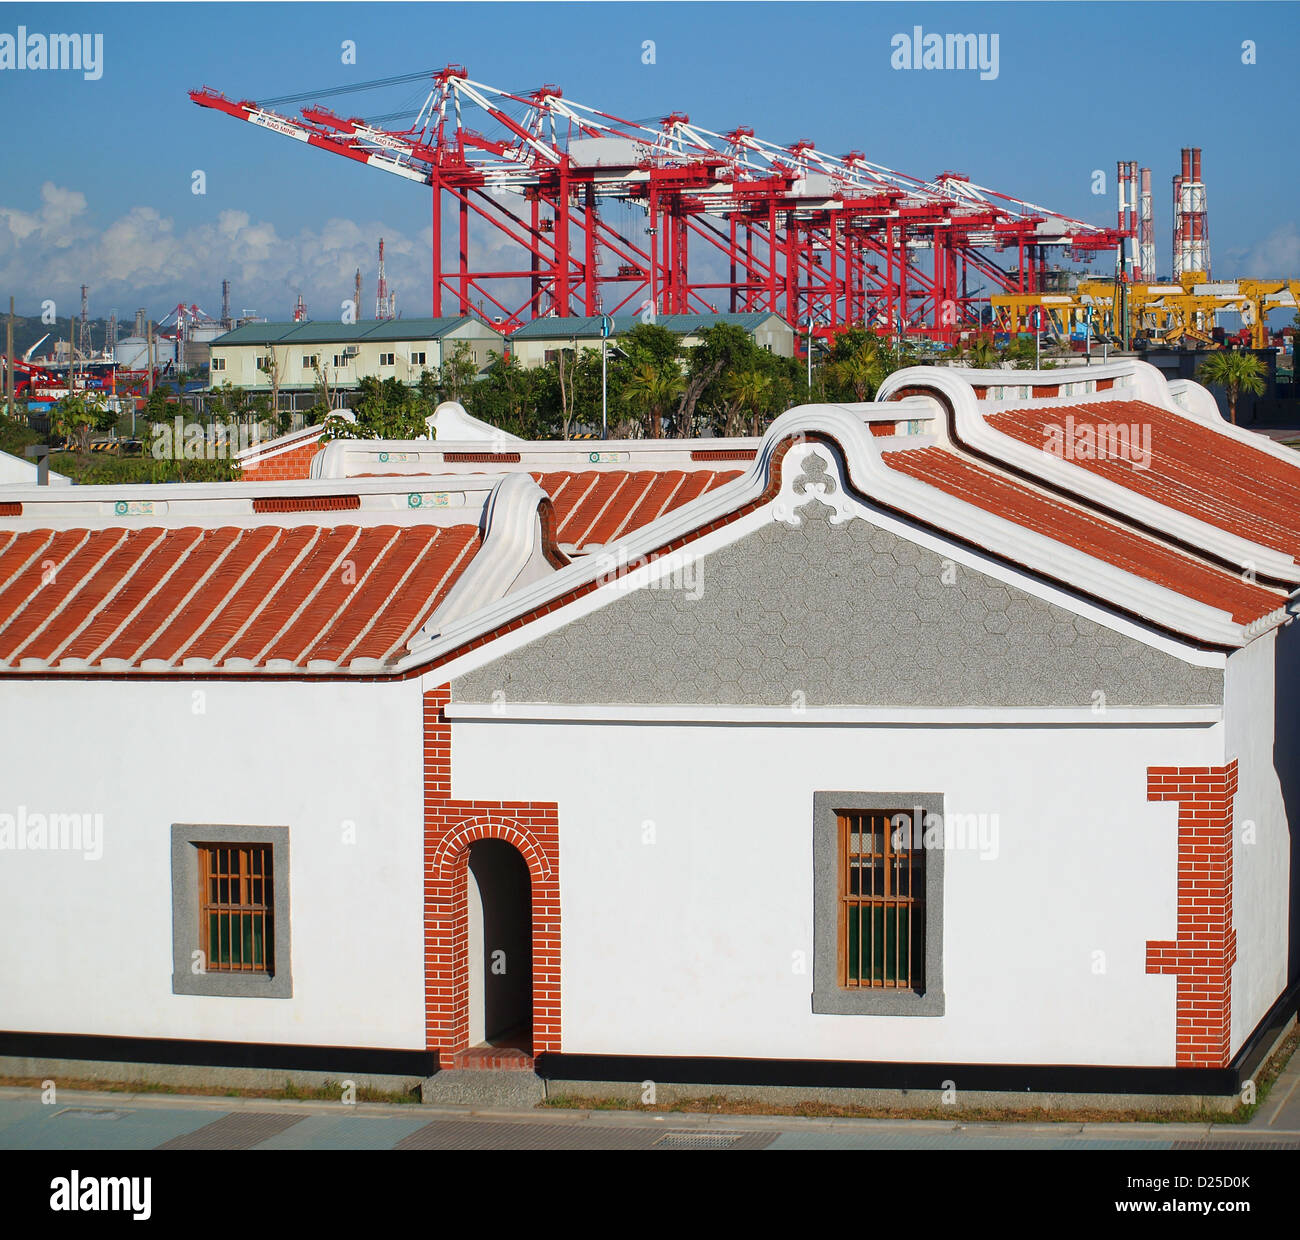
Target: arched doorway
[{"x": 500, "y": 933}]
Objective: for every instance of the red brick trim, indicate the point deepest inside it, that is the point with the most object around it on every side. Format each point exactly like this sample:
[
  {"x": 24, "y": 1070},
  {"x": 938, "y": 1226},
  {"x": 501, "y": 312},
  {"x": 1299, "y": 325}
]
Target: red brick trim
[
  {"x": 450, "y": 827},
  {"x": 11, "y": 508},
  {"x": 1202, "y": 956},
  {"x": 1104, "y": 385}
]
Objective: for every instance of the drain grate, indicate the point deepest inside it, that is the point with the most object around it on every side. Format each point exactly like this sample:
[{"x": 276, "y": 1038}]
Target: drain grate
[
  {"x": 91, "y": 1113},
  {"x": 689, "y": 1139}
]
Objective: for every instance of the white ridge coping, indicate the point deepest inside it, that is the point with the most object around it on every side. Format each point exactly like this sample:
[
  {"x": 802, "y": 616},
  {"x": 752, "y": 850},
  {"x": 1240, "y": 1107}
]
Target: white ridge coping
[
  {"x": 974, "y": 430},
  {"x": 456, "y": 499},
  {"x": 786, "y": 716},
  {"x": 873, "y": 479},
  {"x": 342, "y": 458}
]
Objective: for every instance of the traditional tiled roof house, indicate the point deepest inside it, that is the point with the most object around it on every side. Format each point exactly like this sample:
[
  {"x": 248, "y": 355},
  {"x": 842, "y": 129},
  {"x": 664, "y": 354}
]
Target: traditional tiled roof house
[{"x": 946, "y": 737}]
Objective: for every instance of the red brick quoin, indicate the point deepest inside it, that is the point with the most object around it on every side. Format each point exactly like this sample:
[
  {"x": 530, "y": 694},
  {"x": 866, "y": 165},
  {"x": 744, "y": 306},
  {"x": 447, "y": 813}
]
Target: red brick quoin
[
  {"x": 450, "y": 827},
  {"x": 1202, "y": 957}
]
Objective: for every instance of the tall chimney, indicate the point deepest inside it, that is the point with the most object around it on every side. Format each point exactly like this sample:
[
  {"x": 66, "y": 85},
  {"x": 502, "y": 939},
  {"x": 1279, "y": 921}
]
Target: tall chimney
[{"x": 1146, "y": 230}]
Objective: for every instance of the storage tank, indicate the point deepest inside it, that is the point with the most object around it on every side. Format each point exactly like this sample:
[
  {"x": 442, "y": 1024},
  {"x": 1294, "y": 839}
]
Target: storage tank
[{"x": 133, "y": 352}]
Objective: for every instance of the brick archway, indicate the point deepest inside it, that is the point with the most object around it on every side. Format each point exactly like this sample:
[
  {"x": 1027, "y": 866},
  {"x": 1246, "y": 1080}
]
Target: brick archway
[{"x": 450, "y": 827}]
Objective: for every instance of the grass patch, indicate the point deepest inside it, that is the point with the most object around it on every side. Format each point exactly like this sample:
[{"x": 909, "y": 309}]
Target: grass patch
[
  {"x": 327, "y": 1091},
  {"x": 85, "y": 468}
]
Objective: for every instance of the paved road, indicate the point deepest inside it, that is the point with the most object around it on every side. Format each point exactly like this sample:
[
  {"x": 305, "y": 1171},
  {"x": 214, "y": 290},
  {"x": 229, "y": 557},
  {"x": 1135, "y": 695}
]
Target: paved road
[{"x": 106, "y": 1121}]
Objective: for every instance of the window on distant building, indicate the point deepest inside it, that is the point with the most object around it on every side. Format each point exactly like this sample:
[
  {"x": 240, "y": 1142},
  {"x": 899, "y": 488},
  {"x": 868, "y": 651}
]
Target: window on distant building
[
  {"x": 218, "y": 363},
  {"x": 341, "y": 359},
  {"x": 878, "y": 893},
  {"x": 264, "y": 363},
  {"x": 387, "y": 359},
  {"x": 310, "y": 361},
  {"x": 417, "y": 359},
  {"x": 230, "y": 911}
]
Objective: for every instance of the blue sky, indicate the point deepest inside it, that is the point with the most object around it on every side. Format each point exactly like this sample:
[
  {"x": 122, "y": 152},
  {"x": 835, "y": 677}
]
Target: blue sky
[{"x": 101, "y": 188}]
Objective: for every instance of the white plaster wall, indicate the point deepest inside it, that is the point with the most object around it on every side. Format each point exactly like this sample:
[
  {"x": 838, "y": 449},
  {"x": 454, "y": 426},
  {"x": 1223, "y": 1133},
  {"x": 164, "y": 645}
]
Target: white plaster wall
[
  {"x": 1261, "y": 856},
  {"x": 700, "y": 943},
  {"x": 86, "y": 946}
]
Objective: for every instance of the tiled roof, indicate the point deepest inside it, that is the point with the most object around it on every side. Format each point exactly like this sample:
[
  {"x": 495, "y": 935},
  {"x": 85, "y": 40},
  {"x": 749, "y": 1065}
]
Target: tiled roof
[
  {"x": 1193, "y": 468},
  {"x": 588, "y": 328},
  {"x": 310, "y": 332},
  {"x": 1074, "y": 526},
  {"x": 280, "y": 598},
  {"x": 593, "y": 507}
]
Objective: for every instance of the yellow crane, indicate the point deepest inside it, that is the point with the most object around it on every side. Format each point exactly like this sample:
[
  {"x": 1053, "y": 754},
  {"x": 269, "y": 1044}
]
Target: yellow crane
[{"x": 1165, "y": 313}]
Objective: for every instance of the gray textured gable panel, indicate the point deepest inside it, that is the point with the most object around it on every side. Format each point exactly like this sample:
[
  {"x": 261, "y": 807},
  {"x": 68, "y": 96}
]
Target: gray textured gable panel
[{"x": 847, "y": 615}]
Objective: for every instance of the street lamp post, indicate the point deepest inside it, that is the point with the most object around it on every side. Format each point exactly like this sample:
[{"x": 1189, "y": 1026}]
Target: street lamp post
[
  {"x": 810, "y": 331},
  {"x": 606, "y": 326}
]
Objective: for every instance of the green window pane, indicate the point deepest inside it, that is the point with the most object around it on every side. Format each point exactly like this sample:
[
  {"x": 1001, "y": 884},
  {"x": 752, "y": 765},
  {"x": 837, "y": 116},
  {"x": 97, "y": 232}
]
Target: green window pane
[{"x": 877, "y": 947}]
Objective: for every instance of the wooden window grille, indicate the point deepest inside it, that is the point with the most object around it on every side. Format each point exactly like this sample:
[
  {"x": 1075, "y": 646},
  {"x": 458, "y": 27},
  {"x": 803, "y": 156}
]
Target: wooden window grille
[
  {"x": 882, "y": 901},
  {"x": 237, "y": 908}
]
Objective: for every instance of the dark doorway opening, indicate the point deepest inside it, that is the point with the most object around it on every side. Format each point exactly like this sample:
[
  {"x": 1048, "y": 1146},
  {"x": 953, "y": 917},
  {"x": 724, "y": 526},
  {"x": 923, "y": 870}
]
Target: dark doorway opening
[{"x": 500, "y": 946}]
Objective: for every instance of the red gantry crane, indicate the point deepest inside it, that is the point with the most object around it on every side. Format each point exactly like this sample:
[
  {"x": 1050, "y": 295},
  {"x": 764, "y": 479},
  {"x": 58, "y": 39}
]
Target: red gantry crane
[{"x": 831, "y": 241}]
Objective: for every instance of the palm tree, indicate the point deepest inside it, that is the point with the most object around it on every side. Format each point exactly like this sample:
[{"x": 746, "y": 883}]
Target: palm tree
[
  {"x": 983, "y": 355},
  {"x": 746, "y": 391},
  {"x": 861, "y": 370},
  {"x": 651, "y": 389},
  {"x": 1234, "y": 372}
]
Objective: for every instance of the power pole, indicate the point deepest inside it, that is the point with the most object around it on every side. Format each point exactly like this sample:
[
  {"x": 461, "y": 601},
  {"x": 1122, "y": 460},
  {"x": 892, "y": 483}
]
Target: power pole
[{"x": 9, "y": 362}]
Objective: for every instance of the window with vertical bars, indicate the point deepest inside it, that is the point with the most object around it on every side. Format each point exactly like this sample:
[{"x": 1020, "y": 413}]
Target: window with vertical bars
[
  {"x": 882, "y": 901},
  {"x": 236, "y": 908}
]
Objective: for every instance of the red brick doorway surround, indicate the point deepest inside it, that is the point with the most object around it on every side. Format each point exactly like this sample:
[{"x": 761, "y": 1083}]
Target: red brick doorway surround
[{"x": 450, "y": 827}]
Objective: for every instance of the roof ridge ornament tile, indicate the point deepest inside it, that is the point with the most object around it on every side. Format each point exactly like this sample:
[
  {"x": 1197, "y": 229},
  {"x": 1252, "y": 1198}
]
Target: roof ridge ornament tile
[{"x": 512, "y": 555}]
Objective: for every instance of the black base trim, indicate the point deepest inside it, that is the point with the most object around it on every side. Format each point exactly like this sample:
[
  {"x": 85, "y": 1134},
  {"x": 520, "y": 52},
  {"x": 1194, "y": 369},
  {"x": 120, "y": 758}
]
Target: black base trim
[
  {"x": 174, "y": 1051},
  {"x": 808, "y": 1073},
  {"x": 1000, "y": 1078}
]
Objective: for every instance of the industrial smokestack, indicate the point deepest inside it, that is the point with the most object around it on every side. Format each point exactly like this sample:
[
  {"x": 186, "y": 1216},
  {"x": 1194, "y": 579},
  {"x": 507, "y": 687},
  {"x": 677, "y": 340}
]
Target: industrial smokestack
[{"x": 1146, "y": 230}]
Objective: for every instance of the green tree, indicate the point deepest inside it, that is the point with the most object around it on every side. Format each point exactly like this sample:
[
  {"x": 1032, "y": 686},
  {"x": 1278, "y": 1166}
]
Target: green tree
[
  {"x": 983, "y": 354},
  {"x": 518, "y": 399},
  {"x": 458, "y": 372},
  {"x": 383, "y": 410},
  {"x": 76, "y": 418},
  {"x": 651, "y": 390},
  {"x": 723, "y": 349},
  {"x": 748, "y": 392},
  {"x": 1235, "y": 372}
]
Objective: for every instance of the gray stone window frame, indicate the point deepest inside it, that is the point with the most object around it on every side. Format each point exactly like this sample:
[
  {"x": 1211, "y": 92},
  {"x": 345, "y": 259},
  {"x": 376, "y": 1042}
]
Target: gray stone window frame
[
  {"x": 186, "y": 837},
  {"x": 829, "y": 997}
]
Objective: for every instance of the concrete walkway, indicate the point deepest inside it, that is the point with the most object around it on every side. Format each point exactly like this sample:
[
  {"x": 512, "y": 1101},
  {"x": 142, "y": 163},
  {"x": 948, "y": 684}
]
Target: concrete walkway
[
  {"x": 119, "y": 1121},
  {"x": 1281, "y": 1109}
]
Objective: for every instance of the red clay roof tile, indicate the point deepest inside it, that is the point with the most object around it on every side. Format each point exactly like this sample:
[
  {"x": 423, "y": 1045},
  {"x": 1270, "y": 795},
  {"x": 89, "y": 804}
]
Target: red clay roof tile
[
  {"x": 1074, "y": 526},
  {"x": 269, "y": 592}
]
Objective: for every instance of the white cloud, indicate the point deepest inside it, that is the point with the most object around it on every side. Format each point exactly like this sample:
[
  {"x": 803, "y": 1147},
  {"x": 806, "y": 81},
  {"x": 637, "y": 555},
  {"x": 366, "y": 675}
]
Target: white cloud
[
  {"x": 1275, "y": 257},
  {"x": 143, "y": 258}
]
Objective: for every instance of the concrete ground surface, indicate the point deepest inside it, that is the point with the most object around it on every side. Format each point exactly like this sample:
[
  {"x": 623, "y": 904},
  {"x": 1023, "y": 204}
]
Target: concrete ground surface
[{"x": 84, "y": 1121}]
